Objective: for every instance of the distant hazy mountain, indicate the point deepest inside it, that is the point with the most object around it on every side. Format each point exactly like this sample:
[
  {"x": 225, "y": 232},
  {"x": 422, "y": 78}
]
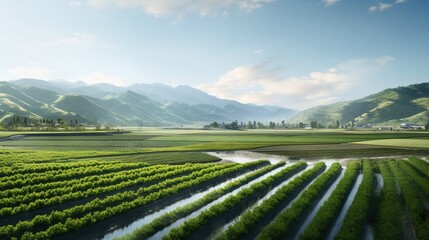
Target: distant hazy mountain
[
  {"x": 409, "y": 103},
  {"x": 147, "y": 104}
]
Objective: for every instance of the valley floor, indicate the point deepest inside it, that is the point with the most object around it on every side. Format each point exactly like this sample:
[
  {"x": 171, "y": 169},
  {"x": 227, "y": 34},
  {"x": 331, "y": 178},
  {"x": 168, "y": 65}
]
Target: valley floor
[{"x": 176, "y": 184}]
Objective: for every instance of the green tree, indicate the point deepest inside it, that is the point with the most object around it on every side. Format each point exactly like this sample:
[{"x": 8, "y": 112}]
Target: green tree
[{"x": 214, "y": 124}]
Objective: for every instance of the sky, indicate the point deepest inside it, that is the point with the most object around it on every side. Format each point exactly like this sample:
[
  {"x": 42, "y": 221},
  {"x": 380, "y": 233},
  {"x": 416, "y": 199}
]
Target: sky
[{"x": 290, "y": 53}]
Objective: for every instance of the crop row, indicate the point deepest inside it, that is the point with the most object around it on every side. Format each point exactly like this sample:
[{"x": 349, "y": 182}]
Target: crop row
[
  {"x": 388, "y": 224},
  {"x": 58, "y": 222},
  {"x": 12, "y": 157},
  {"x": 40, "y": 187},
  {"x": 421, "y": 181},
  {"x": 231, "y": 206},
  {"x": 412, "y": 197},
  {"x": 353, "y": 226},
  {"x": 251, "y": 221},
  {"x": 285, "y": 222},
  {"x": 21, "y": 180},
  {"x": 422, "y": 165},
  {"x": 61, "y": 195},
  {"x": 170, "y": 217},
  {"x": 323, "y": 221}
]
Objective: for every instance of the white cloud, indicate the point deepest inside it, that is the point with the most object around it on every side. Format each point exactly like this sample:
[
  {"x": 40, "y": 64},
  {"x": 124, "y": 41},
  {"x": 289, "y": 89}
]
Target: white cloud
[
  {"x": 380, "y": 7},
  {"x": 98, "y": 77},
  {"x": 180, "y": 8},
  {"x": 79, "y": 39},
  {"x": 258, "y": 51},
  {"x": 384, "y": 6},
  {"x": 31, "y": 72},
  {"x": 263, "y": 84},
  {"x": 330, "y": 2}
]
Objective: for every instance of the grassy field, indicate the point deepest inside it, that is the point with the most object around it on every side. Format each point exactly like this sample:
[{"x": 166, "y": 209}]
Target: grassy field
[
  {"x": 295, "y": 143},
  {"x": 75, "y": 185},
  {"x": 405, "y": 143}
]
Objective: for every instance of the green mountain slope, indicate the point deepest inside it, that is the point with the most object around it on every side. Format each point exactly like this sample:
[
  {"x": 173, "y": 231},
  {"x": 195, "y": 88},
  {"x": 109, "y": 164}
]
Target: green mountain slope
[{"x": 409, "y": 103}]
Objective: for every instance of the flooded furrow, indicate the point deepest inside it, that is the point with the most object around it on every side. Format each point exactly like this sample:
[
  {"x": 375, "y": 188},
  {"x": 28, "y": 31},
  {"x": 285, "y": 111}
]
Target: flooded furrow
[
  {"x": 149, "y": 218},
  {"x": 346, "y": 207},
  {"x": 319, "y": 205},
  {"x": 247, "y": 156},
  {"x": 166, "y": 230},
  {"x": 259, "y": 202},
  {"x": 379, "y": 182}
]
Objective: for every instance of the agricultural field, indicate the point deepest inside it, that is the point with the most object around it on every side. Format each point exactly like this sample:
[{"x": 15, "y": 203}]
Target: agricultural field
[
  {"x": 169, "y": 184},
  {"x": 287, "y": 200}
]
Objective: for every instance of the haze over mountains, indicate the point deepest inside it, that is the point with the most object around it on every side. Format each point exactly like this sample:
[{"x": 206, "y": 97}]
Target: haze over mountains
[
  {"x": 163, "y": 105},
  {"x": 146, "y": 104}
]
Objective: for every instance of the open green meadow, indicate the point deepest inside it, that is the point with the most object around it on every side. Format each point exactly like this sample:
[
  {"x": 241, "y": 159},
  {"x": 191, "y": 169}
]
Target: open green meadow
[{"x": 163, "y": 184}]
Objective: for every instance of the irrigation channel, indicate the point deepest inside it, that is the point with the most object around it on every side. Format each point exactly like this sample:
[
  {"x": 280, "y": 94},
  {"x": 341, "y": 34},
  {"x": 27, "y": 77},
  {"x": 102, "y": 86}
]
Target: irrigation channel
[{"x": 243, "y": 157}]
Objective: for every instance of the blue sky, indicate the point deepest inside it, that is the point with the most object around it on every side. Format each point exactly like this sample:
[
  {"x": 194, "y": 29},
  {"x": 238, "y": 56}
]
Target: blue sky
[{"x": 292, "y": 53}]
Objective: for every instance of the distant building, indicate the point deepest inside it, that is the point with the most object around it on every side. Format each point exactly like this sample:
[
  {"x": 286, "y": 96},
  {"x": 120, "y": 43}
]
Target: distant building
[
  {"x": 385, "y": 128},
  {"x": 414, "y": 126}
]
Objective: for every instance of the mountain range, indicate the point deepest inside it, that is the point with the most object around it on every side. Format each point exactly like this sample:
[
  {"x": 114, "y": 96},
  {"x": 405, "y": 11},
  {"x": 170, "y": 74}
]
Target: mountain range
[
  {"x": 163, "y": 105},
  {"x": 139, "y": 104},
  {"x": 401, "y": 104}
]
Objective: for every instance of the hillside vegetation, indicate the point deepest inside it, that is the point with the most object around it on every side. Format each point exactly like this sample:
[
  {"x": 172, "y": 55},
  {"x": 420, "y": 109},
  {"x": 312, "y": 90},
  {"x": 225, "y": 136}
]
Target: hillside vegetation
[
  {"x": 405, "y": 104},
  {"x": 141, "y": 104}
]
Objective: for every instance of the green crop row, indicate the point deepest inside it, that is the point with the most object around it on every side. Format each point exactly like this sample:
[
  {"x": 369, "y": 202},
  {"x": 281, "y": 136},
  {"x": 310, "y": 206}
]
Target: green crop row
[
  {"x": 324, "y": 219},
  {"x": 22, "y": 180},
  {"x": 51, "y": 185},
  {"x": 388, "y": 224},
  {"x": 412, "y": 197},
  {"x": 421, "y": 181},
  {"x": 169, "y": 218},
  {"x": 60, "y": 195},
  {"x": 353, "y": 226},
  {"x": 421, "y": 164},
  {"x": 253, "y": 219},
  {"x": 59, "y": 222},
  {"x": 283, "y": 224},
  {"x": 237, "y": 203}
]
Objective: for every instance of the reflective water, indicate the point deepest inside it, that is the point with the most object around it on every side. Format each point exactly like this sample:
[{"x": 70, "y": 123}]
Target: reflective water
[
  {"x": 346, "y": 207},
  {"x": 318, "y": 206}
]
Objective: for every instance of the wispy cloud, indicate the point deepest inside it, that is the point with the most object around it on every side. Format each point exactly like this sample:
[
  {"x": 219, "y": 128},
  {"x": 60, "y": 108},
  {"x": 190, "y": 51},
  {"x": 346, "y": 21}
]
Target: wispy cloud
[
  {"x": 80, "y": 39},
  {"x": 98, "y": 77},
  {"x": 180, "y": 8},
  {"x": 258, "y": 51},
  {"x": 31, "y": 72},
  {"x": 263, "y": 83},
  {"x": 330, "y": 2},
  {"x": 380, "y": 7}
]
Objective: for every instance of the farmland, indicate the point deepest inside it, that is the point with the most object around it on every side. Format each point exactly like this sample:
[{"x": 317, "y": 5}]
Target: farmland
[{"x": 162, "y": 184}]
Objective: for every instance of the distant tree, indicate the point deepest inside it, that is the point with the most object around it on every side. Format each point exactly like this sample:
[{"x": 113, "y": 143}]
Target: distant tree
[
  {"x": 25, "y": 121},
  {"x": 427, "y": 126},
  {"x": 337, "y": 124},
  {"x": 250, "y": 125},
  {"x": 301, "y": 125},
  {"x": 214, "y": 124},
  {"x": 283, "y": 123}
]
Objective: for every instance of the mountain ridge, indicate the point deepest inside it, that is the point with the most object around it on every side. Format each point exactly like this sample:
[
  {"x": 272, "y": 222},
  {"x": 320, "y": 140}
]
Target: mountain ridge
[
  {"x": 142, "y": 104},
  {"x": 401, "y": 104}
]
